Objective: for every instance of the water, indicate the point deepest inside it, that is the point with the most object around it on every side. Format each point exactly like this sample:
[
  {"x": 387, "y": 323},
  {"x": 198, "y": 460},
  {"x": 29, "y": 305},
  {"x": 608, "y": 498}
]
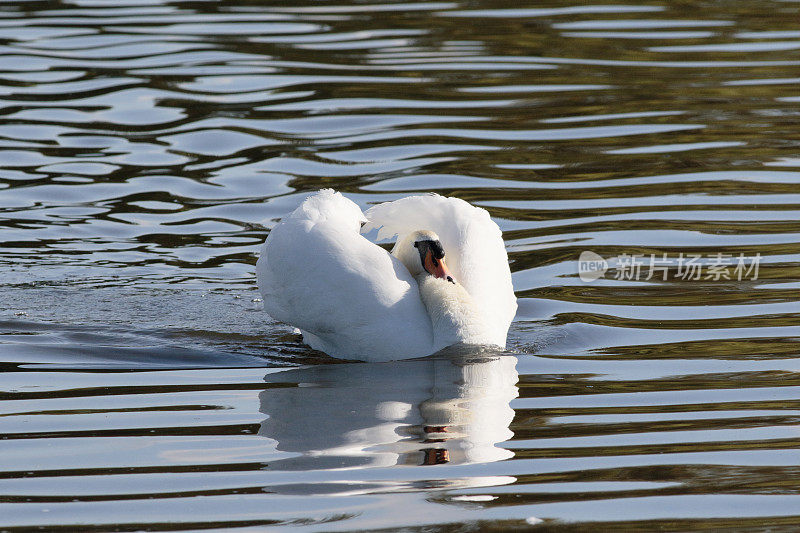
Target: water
[{"x": 147, "y": 148}]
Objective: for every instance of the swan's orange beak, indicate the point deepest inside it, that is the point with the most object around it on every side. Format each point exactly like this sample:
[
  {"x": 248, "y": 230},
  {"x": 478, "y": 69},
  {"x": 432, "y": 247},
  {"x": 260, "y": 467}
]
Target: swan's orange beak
[{"x": 437, "y": 268}]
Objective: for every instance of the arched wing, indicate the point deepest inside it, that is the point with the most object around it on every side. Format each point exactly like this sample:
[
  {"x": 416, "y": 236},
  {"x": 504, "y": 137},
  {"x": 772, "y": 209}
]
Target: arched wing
[
  {"x": 317, "y": 273},
  {"x": 473, "y": 244}
]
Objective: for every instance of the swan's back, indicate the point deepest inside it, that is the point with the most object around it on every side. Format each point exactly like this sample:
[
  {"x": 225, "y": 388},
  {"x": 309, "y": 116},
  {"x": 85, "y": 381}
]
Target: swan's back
[
  {"x": 347, "y": 295},
  {"x": 474, "y": 249}
]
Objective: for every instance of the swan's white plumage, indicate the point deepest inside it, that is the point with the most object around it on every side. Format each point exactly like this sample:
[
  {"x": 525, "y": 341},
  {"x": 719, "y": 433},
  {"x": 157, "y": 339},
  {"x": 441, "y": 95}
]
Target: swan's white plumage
[
  {"x": 353, "y": 300},
  {"x": 473, "y": 244}
]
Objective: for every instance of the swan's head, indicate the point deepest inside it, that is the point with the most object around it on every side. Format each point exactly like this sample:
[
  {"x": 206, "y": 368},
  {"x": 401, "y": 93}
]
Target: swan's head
[{"x": 422, "y": 252}]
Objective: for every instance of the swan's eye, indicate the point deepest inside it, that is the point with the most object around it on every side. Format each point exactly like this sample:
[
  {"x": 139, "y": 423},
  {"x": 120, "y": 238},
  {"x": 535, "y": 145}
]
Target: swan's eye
[
  {"x": 436, "y": 249},
  {"x": 416, "y": 245}
]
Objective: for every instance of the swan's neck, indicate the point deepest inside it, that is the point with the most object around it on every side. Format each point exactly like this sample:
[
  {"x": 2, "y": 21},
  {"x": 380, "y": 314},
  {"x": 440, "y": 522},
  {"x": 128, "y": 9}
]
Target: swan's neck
[{"x": 453, "y": 313}]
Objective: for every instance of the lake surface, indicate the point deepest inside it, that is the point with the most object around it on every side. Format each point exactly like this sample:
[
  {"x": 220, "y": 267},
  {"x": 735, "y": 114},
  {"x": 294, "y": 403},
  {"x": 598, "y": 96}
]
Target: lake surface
[{"x": 147, "y": 147}]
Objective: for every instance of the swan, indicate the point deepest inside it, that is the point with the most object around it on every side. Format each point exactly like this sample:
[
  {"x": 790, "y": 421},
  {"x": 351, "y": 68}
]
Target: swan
[{"x": 445, "y": 282}]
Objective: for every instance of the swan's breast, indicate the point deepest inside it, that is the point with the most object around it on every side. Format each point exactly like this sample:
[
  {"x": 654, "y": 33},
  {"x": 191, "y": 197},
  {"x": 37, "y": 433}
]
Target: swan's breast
[{"x": 454, "y": 315}]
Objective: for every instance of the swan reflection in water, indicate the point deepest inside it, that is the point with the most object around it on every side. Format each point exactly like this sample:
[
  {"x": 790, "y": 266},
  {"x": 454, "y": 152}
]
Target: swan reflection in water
[{"x": 450, "y": 409}]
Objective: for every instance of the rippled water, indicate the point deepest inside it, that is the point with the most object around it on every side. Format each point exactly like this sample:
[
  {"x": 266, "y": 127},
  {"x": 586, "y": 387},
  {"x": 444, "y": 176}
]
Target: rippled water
[{"x": 147, "y": 148}]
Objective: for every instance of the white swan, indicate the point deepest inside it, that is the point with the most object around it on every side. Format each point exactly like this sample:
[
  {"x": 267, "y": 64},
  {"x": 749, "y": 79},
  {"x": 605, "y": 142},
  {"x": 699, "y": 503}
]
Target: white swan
[{"x": 353, "y": 300}]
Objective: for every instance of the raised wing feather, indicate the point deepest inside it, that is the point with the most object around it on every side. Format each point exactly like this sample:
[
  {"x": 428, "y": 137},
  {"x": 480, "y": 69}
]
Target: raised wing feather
[
  {"x": 348, "y": 296},
  {"x": 473, "y": 244}
]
